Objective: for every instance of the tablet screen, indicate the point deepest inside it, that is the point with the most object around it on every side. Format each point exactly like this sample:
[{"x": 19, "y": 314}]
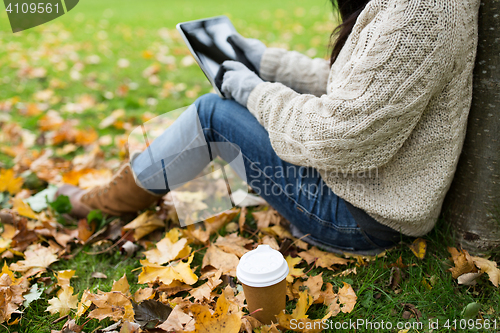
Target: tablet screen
[{"x": 208, "y": 39}]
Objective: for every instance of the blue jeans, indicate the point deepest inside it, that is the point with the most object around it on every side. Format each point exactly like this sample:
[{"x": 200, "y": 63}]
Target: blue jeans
[{"x": 297, "y": 193}]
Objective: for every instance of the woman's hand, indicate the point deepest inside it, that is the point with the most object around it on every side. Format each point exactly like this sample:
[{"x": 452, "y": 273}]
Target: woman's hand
[
  {"x": 238, "y": 81},
  {"x": 253, "y": 48}
]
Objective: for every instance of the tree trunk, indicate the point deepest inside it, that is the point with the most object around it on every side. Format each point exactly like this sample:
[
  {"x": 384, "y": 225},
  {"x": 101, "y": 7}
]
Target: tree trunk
[{"x": 472, "y": 205}]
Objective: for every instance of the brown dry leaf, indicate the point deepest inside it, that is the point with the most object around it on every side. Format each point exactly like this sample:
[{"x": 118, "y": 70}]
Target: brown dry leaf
[
  {"x": 69, "y": 327},
  {"x": 63, "y": 277},
  {"x": 271, "y": 241},
  {"x": 144, "y": 294},
  {"x": 322, "y": 258},
  {"x": 463, "y": 263},
  {"x": 346, "y": 297},
  {"x": 64, "y": 302},
  {"x": 152, "y": 273},
  {"x": 233, "y": 244},
  {"x": 144, "y": 224},
  {"x": 122, "y": 285},
  {"x": 113, "y": 305},
  {"x": 249, "y": 323},
  {"x": 278, "y": 230},
  {"x": 314, "y": 284},
  {"x": 266, "y": 217},
  {"x": 418, "y": 247},
  {"x": 224, "y": 320},
  {"x": 238, "y": 299},
  {"x": 73, "y": 177},
  {"x": 213, "y": 224},
  {"x": 85, "y": 230},
  {"x": 9, "y": 183},
  {"x": 489, "y": 267},
  {"x": 219, "y": 259},
  {"x": 468, "y": 279},
  {"x": 178, "y": 321},
  {"x": 203, "y": 292},
  {"x": 196, "y": 234},
  {"x": 37, "y": 258},
  {"x": 169, "y": 248},
  {"x": 292, "y": 271},
  {"x": 23, "y": 208},
  {"x": 10, "y": 295}
]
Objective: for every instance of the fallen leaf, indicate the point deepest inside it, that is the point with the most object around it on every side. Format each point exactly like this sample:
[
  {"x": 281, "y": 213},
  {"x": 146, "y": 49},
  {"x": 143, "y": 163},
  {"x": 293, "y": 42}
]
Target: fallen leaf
[
  {"x": 37, "y": 257},
  {"x": 10, "y": 297},
  {"x": 169, "y": 248},
  {"x": 178, "y": 321},
  {"x": 143, "y": 294},
  {"x": 418, "y": 247},
  {"x": 202, "y": 292},
  {"x": 463, "y": 263},
  {"x": 233, "y": 244},
  {"x": 9, "y": 183},
  {"x": 292, "y": 271},
  {"x": 489, "y": 267},
  {"x": 63, "y": 277},
  {"x": 219, "y": 259},
  {"x": 64, "y": 302},
  {"x": 223, "y": 319},
  {"x": 322, "y": 258},
  {"x": 33, "y": 295},
  {"x": 152, "y": 273},
  {"x": 151, "y": 312},
  {"x": 113, "y": 305},
  {"x": 122, "y": 285},
  {"x": 144, "y": 224},
  {"x": 23, "y": 208},
  {"x": 266, "y": 217}
]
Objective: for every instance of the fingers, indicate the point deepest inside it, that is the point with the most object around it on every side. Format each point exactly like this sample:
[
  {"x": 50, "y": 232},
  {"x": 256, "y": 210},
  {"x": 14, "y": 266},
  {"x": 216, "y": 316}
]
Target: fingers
[
  {"x": 239, "y": 40},
  {"x": 230, "y": 65}
]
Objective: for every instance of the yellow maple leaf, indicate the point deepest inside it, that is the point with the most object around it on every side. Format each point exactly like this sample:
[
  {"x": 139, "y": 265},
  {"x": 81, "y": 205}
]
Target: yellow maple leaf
[
  {"x": 169, "y": 248},
  {"x": 224, "y": 319},
  {"x": 292, "y": 271},
  {"x": 113, "y": 305},
  {"x": 122, "y": 285},
  {"x": 64, "y": 302},
  {"x": 152, "y": 273},
  {"x": 37, "y": 258},
  {"x": 23, "y": 208},
  {"x": 8, "y": 181},
  {"x": 301, "y": 322}
]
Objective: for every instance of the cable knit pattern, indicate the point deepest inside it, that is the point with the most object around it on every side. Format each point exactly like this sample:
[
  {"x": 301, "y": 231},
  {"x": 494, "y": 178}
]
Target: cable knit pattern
[{"x": 386, "y": 128}]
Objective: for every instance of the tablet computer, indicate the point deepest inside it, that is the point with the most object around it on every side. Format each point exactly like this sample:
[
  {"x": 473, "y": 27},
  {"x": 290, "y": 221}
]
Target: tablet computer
[{"x": 208, "y": 41}]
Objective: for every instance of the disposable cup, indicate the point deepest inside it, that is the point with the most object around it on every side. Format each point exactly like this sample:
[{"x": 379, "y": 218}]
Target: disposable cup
[{"x": 262, "y": 272}]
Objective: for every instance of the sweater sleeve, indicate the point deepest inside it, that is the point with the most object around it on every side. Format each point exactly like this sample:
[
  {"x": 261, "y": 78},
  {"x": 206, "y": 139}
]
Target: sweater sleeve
[
  {"x": 295, "y": 70},
  {"x": 381, "y": 84}
]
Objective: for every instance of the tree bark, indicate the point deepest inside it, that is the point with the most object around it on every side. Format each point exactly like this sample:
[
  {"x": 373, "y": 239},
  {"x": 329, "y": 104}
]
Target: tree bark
[{"x": 472, "y": 205}]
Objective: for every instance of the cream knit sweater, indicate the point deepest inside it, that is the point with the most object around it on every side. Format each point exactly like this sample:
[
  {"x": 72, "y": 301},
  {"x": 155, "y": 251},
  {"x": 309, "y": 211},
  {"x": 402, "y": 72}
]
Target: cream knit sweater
[{"x": 386, "y": 123}]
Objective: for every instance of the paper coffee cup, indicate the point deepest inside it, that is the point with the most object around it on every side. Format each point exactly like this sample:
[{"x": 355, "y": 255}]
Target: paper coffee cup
[{"x": 263, "y": 274}]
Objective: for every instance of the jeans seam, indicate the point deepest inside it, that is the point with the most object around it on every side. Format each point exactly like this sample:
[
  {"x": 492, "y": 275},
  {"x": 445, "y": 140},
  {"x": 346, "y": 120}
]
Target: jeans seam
[{"x": 324, "y": 222}]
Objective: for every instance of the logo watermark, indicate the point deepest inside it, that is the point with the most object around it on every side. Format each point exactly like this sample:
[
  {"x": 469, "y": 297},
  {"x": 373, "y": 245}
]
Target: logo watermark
[{"x": 26, "y": 14}]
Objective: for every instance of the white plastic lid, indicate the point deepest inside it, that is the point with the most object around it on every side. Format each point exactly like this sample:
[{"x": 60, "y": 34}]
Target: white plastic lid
[{"x": 262, "y": 267}]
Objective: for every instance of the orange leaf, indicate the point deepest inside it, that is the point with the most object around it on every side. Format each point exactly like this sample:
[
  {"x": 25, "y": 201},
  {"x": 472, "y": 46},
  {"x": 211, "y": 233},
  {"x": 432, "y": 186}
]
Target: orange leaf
[{"x": 8, "y": 182}]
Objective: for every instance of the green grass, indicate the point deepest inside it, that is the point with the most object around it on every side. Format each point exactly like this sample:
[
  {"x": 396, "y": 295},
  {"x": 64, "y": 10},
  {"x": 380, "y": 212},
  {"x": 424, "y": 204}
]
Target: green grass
[{"x": 114, "y": 30}]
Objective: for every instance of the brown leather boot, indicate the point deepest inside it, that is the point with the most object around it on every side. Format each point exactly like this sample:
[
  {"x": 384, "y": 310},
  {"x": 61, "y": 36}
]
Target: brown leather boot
[{"x": 120, "y": 196}]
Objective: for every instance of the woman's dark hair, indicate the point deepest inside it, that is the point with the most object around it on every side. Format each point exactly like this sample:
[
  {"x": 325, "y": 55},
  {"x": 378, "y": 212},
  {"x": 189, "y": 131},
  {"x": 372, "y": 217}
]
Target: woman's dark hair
[{"x": 349, "y": 11}]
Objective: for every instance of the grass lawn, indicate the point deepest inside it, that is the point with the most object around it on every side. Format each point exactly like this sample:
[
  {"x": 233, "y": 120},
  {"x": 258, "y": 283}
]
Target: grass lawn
[{"x": 109, "y": 55}]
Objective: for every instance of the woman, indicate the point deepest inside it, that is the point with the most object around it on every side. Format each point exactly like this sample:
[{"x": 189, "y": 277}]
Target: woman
[{"x": 377, "y": 130}]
